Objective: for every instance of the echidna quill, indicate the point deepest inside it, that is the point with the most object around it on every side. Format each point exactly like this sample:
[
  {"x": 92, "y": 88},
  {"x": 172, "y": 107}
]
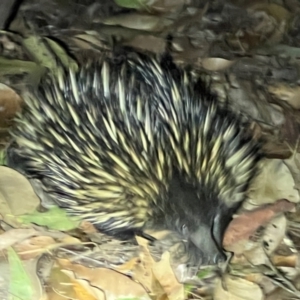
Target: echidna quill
[{"x": 136, "y": 144}]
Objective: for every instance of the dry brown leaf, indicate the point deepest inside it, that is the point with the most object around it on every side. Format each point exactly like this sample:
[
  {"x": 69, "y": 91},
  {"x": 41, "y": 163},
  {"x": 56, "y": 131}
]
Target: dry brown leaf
[
  {"x": 216, "y": 63},
  {"x": 265, "y": 283},
  {"x": 286, "y": 93},
  {"x": 82, "y": 293},
  {"x": 14, "y": 236},
  {"x": 143, "y": 271},
  {"x": 146, "y": 42},
  {"x": 245, "y": 225},
  {"x": 285, "y": 261},
  {"x": 258, "y": 252},
  {"x": 35, "y": 246},
  {"x": 10, "y": 104},
  {"x": 138, "y": 21},
  {"x": 165, "y": 275},
  {"x": 60, "y": 286},
  {"x": 112, "y": 283},
  {"x": 129, "y": 266},
  {"x": 274, "y": 233},
  {"x": 16, "y": 194},
  {"x": 237, "y": 289},
  {"x": 84, "y": 290},
  {"x": 276, "y": 11},
  {"x": 88, "y": 227},
  {"x": 164, "y": 281},
  {"x": 274, "y": 182},
  {"x": 293, "y": 164}
]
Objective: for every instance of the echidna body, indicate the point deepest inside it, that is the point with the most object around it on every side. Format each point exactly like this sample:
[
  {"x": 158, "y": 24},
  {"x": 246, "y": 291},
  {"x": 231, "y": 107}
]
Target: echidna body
[{"x": 138, "y": 144}]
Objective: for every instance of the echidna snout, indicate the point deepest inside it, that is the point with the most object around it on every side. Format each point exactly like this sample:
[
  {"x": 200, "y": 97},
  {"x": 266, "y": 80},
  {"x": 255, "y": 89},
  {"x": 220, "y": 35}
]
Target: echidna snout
[
  {"x": 209, "y": 251},
  {"x": 200, "y": 223}
]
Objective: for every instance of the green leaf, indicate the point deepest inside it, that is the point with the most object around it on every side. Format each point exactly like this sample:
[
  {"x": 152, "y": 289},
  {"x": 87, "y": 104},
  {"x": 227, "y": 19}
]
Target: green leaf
[
  {"x": 15, "y": 66},
  {"x": 20, "y": 285},
  {"x": 55, "y": 218},
  {"x": 40, "y": 52},
  {"x": 2, "y": 157},
  {"x": 205, "y": 272},
  {"x": 66, "y": 60},
  {"x": 135, "y": 4}
]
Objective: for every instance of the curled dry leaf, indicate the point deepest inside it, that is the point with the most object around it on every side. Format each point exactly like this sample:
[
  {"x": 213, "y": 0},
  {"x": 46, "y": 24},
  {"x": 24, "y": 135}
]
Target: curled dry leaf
[
  {"x": 274, "y": 182},
  {"x": 237, "y": 289}
]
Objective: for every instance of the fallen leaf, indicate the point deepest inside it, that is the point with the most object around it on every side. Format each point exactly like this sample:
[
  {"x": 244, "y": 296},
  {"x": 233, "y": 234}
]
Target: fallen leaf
[
  {"x": 139, "y": 21},
  {"x": 54, "y": 218},
  {"x": 11, "y": 237},
  {"x": 20, "y": 284},
  {"x": 112, "y": 283},
  {"x": 13, "y": 188},
  {"x": 237, "y": 289},
  {"x": 35, "y": 246},
  {"x": 10, "y": 104},
  {"x": 216, "y": 63},
  {"x": 285, "y": 92},
  {"x": 165, "y": 275},
  {"x": 246, "y": 224},
  {"x": 274, "y": 182}
]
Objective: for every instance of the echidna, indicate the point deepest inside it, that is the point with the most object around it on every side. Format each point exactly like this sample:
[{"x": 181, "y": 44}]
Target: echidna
[{"x": 138, "y": 144}]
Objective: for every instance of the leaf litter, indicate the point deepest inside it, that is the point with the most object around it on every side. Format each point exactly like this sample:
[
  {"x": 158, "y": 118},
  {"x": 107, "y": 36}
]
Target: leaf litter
[{"x": 249, "y": 52}]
